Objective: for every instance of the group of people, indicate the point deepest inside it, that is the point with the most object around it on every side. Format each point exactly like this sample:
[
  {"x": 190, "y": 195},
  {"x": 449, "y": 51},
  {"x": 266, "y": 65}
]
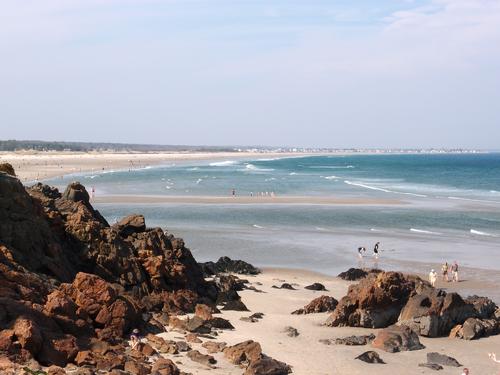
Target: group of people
[
  {"x": 362, "y": 250},
  {"x": 447, "y": 270}
]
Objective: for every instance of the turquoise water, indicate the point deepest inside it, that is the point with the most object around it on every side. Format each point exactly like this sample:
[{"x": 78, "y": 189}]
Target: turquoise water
[
  {"x": 475, "y": 176},
  {"x": 451, "y": 207}
]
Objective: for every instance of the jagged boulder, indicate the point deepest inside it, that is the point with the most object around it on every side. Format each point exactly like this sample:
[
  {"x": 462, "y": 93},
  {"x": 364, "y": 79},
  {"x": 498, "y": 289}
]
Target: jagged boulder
[
  {"x": 130, "y": 225},
  {"x": 473, "y": 329},
  {"x": 434, "y": 313}
]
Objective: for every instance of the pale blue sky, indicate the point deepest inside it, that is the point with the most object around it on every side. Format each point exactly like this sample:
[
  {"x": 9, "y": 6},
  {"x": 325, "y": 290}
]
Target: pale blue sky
[{"x": 387, "y": 73}]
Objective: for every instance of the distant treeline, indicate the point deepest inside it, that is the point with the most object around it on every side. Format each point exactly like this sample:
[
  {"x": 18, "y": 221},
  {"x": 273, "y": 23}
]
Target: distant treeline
[{"x": 14, "y": 145}]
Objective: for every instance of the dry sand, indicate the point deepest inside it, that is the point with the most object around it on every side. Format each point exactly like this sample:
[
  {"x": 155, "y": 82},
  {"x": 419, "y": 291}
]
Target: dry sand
[
  {"x": 310, "y": 357},
  {"x": 33, "y": 165}
]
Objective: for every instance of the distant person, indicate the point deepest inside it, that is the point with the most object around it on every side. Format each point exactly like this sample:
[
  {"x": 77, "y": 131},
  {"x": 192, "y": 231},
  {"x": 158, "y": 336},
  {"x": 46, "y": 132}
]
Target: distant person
[
  {"x": 360, "y": 252},
  {"x": 375, "y": 250},
  {"x": 233, "y": 192},
  {"x": 251, "y": 193},
  {"x": 433, "y": 277},
  {"x": 466, "y": 371},
  {"x": 92, "y": 193},
  {"x": 454, "y": 271},
  {"x": 444, "y": 272}
]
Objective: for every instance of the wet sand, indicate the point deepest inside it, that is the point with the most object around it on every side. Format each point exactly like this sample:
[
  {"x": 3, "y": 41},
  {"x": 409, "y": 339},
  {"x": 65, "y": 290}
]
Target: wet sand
[{"x": 147, "y": 199}]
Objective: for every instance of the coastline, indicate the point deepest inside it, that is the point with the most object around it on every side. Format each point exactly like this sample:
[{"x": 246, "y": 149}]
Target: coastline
[
  {"x": 32, "y": 166},
  {"x": 305, "y": 353}
]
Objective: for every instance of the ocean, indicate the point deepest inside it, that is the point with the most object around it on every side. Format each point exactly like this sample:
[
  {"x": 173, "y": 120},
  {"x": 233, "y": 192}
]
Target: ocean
[{"x": 448, "y": 208}]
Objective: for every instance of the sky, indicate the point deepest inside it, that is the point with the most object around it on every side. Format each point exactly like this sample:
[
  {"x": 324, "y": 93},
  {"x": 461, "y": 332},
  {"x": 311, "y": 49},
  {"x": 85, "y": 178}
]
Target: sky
[{"x": 311, "y": 73}]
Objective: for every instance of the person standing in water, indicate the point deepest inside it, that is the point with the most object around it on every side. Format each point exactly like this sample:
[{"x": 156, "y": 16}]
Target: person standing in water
[
  {"x": 233, "y": 192},
  {"x": 360, "y": 251},
  {"x": 375, "y": 250},
  {"x": 454, "y": 271}
]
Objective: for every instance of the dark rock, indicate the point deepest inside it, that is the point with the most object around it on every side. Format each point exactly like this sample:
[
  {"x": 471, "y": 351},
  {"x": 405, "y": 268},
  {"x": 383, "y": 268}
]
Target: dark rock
[
  {"x": 354, "y": 274},
  {"x": 318, "y": 305},
  {"x": 284, "y": 286},
  {"x": 484, "y": 307},
  {"x": 355, "y": 340},
  {"x": 316, "y": 286},
  {"x": 227, "y": 265},
  {"x": 370, "y": 357},
  {"x": 442, "y": 359},
  {"x": 432, "y": 366},
  {"x": 473, "y": 329},
  {"x": 235, "y": 305},
  {"x": 291, "y": 332},
  {"x": 396, "y": 339}
]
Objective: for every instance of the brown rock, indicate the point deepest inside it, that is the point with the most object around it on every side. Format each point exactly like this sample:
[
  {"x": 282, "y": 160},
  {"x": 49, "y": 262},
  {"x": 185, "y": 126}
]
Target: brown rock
[
  {"x": 204, "y": 312},
  {"x": 244, "y": 352},
  {"x": 375, "y": 302},
  {"x": 370, "y": 357},
  {"x": 268, "y": 366},
  {"x": 28, "y": 334},
  {"x": 318, "y": 305},
  {"x": 165, "y": 366},
  {"x": 193, "y": 337},
  {"x": 196, "y": 356},
  {"x": 7, "y": 168},
  {"x": 130, "y": 225},
  {"x": 214, "y": 347},
  {"x": 137, "y": 368},
  {"x": 396, "y": 339},
  {"x": 55, "y": 370}
]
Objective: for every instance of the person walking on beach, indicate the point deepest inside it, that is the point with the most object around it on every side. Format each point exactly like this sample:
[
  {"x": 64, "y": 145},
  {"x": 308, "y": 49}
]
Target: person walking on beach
[
  {"x": 360, "y": 251},
  {"x": 233, "y": 192},
  {"x": 375, "y": 250},
  {"x": 444, "y": 272},
  {"x": 433, "y": 277},
  {"x": 454, "y": 272},
  {"x": 466, "y": 371}
]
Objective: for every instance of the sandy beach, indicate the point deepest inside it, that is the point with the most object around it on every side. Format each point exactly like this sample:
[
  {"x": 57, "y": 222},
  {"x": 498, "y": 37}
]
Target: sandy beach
[
  {"x": 31, "y": 165},
  {"x": 305, "y": 353},
  {"x": 149, "y": 199}
]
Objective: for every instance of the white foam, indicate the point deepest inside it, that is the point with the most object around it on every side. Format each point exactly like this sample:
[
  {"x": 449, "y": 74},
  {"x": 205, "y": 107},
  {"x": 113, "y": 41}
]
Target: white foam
[
  {"x": 198, "y": 181},
  {"x": 331, "y": 178},
  {"x": 193, "y": 169},
  {"x": 292, "y": 173},
  {"x": 223, "y": 163},
  {"x": 383, "y": 189},
  {"x": 472, "y": 200},
  {"x": 332, "y": 167},
  {"x": 367, "y": 186},
  {"x": 257, "y": 226},
  {"x": 423, "y": 231},
  {"x": 479, "y": 233},
  {"x": 253, "y": 168}
]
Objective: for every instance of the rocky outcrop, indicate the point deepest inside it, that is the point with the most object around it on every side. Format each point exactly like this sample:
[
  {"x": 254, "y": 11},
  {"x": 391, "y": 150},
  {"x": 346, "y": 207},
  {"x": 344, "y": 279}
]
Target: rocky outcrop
[
  {"x": 397, "y": 339},
  {"x": 71, "y": 284},
  {"x": 434, "y": 313},
  {"x": 385, "y": 298},
  {"x": 376, "y": 301},
  {"x": 318, "y": 305}
]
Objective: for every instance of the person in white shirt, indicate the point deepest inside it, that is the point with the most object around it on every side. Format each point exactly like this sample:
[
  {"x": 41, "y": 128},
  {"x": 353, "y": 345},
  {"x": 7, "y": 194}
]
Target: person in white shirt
[{"x": 433, "y": 277}]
